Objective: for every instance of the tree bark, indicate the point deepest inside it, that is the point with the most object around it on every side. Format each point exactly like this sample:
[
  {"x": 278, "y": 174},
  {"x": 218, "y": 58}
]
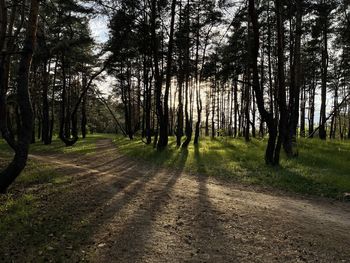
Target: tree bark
[
  {"x": 265, "y": 115},
  {"x": 19, "y": 161},
  {"x": 322, "y": 129}
]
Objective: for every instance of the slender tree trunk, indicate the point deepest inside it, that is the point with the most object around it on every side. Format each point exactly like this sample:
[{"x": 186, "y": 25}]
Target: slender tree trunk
[
  {"x": 213, "y": 101},
  {"x": 253, "y": 118},
  {"x": 247, "y": 108},
  {"x": 283, "y": 137},
  {"x": 322, "y": 129},
  {"x": 197, "y": 84},
  {"x": 83, "y": 111},
  {"x": 235, "y": 103},
  {"x": 312, "y": 107},
  {"x": 188, "y": 94},
  {"x": 45, "y": 107},
  {"x": 33, "y": 140},
  {"x": 164, "y": 116},
  {"x": 302, "y": 111}
]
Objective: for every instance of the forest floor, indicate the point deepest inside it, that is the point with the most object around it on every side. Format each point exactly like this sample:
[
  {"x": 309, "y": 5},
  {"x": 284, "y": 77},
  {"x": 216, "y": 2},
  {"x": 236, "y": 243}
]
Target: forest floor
[{"x": 98, "y": 205}]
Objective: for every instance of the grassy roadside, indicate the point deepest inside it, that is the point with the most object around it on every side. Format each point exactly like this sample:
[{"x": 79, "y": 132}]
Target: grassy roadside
[
  {"x": 23, "y": 214},
  {"x": 322, "y": 168},
  {"x": 39, "y": 173}
]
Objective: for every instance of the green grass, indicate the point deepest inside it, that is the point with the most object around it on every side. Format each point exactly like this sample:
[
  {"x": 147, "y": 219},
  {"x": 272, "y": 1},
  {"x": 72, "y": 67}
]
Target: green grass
[
  {"x": 322, "y": 168},
  {"x": 20, "y": 208},
  {"x": 37, "y": 173},
  {"x": 82, "y": 147}
]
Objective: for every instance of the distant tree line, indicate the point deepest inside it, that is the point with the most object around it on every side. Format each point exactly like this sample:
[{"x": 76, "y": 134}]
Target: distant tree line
[{"x": 186, "y": 68}]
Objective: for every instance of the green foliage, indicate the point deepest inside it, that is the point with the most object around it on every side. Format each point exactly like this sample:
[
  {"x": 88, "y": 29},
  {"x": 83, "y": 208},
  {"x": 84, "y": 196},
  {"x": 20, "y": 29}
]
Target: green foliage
[{"x": 321, "y": 168}]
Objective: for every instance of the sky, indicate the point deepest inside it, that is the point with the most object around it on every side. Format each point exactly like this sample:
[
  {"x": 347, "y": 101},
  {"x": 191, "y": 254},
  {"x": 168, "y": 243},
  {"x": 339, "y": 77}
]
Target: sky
[{"x": 99, "y": 30}]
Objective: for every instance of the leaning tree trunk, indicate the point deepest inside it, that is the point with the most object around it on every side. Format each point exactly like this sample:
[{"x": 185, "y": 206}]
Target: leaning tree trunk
[{"x": 13, "y": 170}]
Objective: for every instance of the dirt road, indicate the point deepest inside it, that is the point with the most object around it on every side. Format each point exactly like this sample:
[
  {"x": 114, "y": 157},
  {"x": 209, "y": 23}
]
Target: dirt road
[{"x": 126, "y": 211}]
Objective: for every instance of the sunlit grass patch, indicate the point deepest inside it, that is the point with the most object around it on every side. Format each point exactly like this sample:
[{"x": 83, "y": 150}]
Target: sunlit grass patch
[
  {"x": 82, "y": 146},
  {"x": 322, "y": 168}
]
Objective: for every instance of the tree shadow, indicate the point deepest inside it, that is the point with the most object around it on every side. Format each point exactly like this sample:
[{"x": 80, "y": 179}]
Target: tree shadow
[
  {"x": 72, "y": 213},
  {"x": 211, "y": 242},
  {"x": 129, "y": 241}
]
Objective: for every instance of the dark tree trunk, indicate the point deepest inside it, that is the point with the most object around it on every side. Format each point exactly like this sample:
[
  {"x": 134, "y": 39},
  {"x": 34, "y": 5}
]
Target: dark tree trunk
[
  {"x": 188, "y": 119},
  {"x": 213, "y": 101},
  {"x": 64, "y": 129},
  {"x": 295, "y": 94},
  {"x": 253, "y": 118},
  {"x": 13, "y": 170},
  {"x": 312, "y": 107},
  {"x": 164, "y": 116},
  {"x": 45, "y": 111},
  {"x": 33, "y": 139},
  {"x": 83, "y": 118},
  {"x": 197, "y": 85},
  {"x": 163, "y": 127},
  {"x": 349, "y": 122},
  {"x": 247, "y": 108},
  {"x": 5, "y": 128},
  {"x": 283, "y": 135},
  {"x": 302, "y": 112},
  {"x": 266, "y": 116},
  {"x": 235, "y": 103},
  {"x": 322, "y": 129},
  {"x": 148, "y": 108}
]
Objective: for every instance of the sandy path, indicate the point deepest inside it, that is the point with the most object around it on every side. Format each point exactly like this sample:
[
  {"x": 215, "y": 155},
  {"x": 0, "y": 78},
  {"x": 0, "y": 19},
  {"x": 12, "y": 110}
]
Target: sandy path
[{"x": 138, "y": 213}]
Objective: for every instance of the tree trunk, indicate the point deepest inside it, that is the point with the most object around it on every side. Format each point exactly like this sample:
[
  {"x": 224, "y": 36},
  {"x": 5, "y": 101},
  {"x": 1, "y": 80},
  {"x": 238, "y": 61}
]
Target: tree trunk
[
  {"x": 164, "y": 116},
  {"x": 45, "y": 110},
  {"x": 265, "y": 115},
  {"x": 322, "y": 129},
  {"x": 19, "y": 161},
  {"x": 302, "y": 111},
  {"x": 283, "y": 136},
  {"x": 312, "y": 106}
]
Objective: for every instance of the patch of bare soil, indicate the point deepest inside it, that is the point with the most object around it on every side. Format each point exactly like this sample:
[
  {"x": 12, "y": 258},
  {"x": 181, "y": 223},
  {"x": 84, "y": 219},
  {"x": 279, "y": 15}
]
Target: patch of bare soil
[{"x": 121, "y": 210}]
